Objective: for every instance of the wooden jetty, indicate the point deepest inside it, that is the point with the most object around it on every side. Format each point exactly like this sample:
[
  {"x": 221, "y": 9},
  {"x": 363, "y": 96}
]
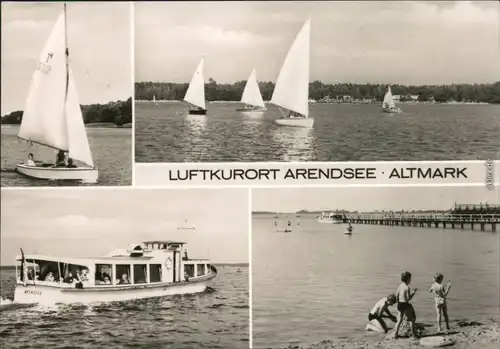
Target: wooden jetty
[{"x": 485, "y": 222}]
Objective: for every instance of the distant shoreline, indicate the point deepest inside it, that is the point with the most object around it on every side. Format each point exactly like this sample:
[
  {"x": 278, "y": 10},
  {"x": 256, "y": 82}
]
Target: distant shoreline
[
  {"x": 318, "y": 102},
  {"x": 91, "y": 125},
  {"x": 110, "y": 115}
]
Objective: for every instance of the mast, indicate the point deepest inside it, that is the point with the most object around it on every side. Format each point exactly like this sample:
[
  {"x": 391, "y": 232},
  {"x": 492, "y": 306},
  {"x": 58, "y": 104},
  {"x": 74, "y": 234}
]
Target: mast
[{"x": 66, "y": 51}]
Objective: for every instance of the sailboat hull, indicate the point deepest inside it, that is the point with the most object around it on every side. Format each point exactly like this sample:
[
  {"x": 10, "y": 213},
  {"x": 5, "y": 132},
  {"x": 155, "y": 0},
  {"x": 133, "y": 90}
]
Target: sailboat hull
[
  {"x": 391, "y": 110},
  {"x": 253, "y": 113},
  {"x": 197, "y": 112},
  {"x": 329, "y": 221},
  {"x": 295, "y": 122},
  {"x": 84, "y": 174}
]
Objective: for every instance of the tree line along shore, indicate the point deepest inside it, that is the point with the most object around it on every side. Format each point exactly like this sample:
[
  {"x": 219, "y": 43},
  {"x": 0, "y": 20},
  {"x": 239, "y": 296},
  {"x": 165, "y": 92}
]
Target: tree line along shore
[
  {"x": 332, "y": 93},
  {"x": 112, "y": 114}
]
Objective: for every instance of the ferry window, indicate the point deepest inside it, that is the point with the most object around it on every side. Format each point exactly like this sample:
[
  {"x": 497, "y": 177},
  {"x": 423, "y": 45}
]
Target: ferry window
[
  {"x": 189, "y": 270},
  {"x": 103, "y": 274},
  {"x": 208, "y": 268},
  {"x": 200, "y": 269},
  {"x": 122, "y": 274},
  {"x": 155, "y": 273},
  {"x": 139, "y": 273},
  {"x": 73, "y": 272},
  {"x": 48, "y": 271}
]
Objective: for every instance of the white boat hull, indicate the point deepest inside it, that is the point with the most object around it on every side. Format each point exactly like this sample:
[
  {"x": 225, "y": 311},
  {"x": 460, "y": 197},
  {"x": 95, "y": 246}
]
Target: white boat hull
[
  {"x": 329, "y": 221},
  {"x": 84, "y": 174},
  {"x": 391, "y": 111},
  {"x": 257, "y": 113},
  {"x": 295, "y": 122},
  {"x": 43, "y": 294}
]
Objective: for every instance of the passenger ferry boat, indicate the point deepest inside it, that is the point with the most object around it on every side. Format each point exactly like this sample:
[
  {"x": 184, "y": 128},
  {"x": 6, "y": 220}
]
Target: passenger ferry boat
[
  {"x": 150, "y": 269},
  {"x": 331, "y": 218}
]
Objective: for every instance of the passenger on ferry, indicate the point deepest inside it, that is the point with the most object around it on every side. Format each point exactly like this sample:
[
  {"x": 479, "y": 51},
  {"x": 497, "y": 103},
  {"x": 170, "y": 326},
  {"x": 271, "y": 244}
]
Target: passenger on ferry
[
  {"x": 30, "y": 161},
  {"x": 185, "y": 258},
  {"x": 186, "y": 277},
  {"x": 107, "y": 279},
  {"x": 124, "y": 280},
  {"x": 84, "y": 276},
  {"x": 70, "y": 278},
  {"x": 50, "y": 277}
]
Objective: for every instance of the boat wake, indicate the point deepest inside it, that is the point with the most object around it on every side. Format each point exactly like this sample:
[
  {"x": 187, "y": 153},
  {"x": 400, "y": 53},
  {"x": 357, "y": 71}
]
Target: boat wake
[
  {"x": 8, "y": 170},
  {"x": 7, "y": 304}
]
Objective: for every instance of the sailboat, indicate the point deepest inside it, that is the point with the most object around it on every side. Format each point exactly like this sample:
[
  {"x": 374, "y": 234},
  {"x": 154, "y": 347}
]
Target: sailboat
[
  {"x": 195, "y": 94},
  {"x": 388, "y": 105},
  {"x": 154, "y": 99},
  {"x": 292, "y": 86},
  {"x": 252, "y": 98},
  {"x": 52, "y": 116}
]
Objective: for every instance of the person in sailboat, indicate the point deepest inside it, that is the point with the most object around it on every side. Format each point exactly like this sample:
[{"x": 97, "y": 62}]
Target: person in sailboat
[
  {"x": 30, "y": 161},
  {"x": 70, "y": 163},
  {"x": 60, "y": 159}
]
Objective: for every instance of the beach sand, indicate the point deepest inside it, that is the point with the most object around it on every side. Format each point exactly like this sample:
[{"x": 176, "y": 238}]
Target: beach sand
[{"x": 472, "y": 335}]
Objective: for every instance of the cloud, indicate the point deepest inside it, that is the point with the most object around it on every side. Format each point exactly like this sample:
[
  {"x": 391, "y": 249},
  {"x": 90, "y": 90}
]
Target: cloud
[
  {"x": 100, "y": 49},
  {"x": 393, "y": 42}
]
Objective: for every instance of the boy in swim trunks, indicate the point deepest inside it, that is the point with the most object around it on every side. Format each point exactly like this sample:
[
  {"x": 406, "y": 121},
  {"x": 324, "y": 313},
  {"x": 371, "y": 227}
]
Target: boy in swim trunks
[
  {"x": 440, "y": 292},
  {"x": 377, "y": 313},
  {"x": 403, "y": 297}
]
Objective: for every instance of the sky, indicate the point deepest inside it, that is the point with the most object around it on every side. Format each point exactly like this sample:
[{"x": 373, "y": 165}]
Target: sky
[
  {"x": 405, "y": 42},
  {"x": 370, "y": 199},
  {"x": 91, "y": 222},
  {"x": 100, "y": 46}
]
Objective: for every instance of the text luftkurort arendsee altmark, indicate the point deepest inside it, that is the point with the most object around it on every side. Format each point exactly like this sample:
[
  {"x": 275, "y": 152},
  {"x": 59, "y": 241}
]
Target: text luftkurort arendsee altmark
[{"x": 366, "y": 173}]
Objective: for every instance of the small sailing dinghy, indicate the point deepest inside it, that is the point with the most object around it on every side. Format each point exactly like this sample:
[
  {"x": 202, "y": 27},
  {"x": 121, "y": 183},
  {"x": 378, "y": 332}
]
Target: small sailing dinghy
[
  {"x": 52, "y": 116},
  {"x": 252, "y": 98},
  {"x": 388, "y": 105},
  {"x": 154, "y": 100},
  {"x": 292, "y": 86},
  {"x": 195, "y": 94}
]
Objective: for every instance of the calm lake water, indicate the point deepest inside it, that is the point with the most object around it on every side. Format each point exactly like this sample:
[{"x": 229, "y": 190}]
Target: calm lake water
[
  {"x": 111, "y": 150},
  {"x": 342, "y": 132},
  {"x": 218, "y": 318},
  {"x": 316, "y": 283}
]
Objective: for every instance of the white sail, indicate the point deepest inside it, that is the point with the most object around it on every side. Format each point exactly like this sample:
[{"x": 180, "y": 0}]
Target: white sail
[
  {"x": 52, "y": 115},
  {"x": 195, "y": 93},
  {"x": 78, "y": 143},
  {"x": 292, "y": 86},
  {"x": 154, "y": 99},
  {"x": 388, "y": 100},
  {"x": 44, "y": 118},
  {"x": 251, "y": 93}
]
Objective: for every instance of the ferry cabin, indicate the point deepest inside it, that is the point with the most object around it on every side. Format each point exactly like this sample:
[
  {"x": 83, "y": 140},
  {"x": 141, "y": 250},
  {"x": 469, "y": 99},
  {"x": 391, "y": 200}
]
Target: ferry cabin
[
  {"x": 332, "y": 216},
  {"x": 152, "y": 264}
]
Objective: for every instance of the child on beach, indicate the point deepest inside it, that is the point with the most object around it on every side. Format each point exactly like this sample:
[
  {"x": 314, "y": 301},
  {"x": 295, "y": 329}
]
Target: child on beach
[
  {"x": 403, "y": 297},
  {"x": 377, "y": 313},
  {"x": 440, "y": 292}
]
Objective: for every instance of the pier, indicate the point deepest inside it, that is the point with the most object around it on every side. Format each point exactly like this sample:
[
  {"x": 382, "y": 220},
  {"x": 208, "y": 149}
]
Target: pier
[
  {"x": 471, "y": 217},
  {"x": 484, "y": 222}
]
